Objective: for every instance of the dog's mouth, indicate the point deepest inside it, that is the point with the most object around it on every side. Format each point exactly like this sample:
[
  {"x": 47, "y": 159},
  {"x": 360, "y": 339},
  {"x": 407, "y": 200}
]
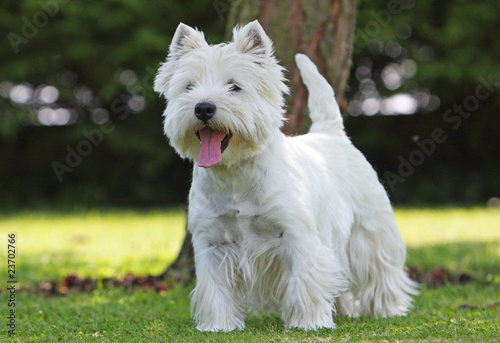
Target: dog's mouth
[{"x": 213, "y": 144}]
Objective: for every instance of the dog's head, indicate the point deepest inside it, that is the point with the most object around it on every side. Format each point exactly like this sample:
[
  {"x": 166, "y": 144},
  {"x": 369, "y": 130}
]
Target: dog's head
[{"x": 224, "y": 101}]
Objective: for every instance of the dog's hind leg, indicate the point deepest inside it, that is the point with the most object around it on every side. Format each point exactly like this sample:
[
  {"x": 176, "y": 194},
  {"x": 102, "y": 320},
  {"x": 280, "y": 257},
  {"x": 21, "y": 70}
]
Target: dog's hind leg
[{"x": 377, "y": 255}]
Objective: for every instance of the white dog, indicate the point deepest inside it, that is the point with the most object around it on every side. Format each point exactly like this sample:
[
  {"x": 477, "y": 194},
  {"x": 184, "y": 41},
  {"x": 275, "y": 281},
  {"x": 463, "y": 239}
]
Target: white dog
[{"x": 301, "y": 224}]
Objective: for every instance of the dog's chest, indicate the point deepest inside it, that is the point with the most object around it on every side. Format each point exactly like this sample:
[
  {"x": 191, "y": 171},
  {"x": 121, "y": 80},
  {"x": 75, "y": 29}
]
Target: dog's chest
[
  {"x": 232, "y": 209},
  {"x": 243, "y": 219}
]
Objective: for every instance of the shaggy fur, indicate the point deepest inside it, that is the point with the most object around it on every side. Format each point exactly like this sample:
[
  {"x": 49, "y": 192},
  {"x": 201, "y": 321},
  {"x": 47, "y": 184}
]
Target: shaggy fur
[{"x": 301, "y": 224}]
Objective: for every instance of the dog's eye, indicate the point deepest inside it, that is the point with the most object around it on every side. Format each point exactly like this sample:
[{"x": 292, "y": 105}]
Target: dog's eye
[
  {"x": 189, "y": 87},
  {"x": 234, "y": 88}
]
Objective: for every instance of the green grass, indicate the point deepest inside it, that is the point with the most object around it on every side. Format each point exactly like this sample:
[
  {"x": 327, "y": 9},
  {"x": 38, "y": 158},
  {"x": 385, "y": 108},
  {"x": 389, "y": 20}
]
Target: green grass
[
  {"x": 461, "y": 240},
  {"x": 110, "y": 244},
  {"x": 116, "y": 316},
  {"x": 94, "y": 244}
]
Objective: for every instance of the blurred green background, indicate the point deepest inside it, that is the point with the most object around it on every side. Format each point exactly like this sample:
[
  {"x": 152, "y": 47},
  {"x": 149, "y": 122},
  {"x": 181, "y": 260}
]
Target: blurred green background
[{"x": 80, "y": 125}]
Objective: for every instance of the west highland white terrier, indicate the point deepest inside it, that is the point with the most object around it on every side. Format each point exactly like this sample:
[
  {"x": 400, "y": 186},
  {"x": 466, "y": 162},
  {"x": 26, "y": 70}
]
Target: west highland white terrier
[{"x": 299, "y": 225}]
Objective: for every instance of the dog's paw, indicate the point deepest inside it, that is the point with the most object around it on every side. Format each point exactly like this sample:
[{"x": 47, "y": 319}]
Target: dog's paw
[{"x": 219, "y": 328}]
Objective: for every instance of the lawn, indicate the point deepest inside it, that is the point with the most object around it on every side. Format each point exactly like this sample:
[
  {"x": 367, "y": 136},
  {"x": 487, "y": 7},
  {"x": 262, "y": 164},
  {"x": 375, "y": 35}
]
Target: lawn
[
  {"x": 49, "y": 246},
  {"x": 94, "y": 244}
]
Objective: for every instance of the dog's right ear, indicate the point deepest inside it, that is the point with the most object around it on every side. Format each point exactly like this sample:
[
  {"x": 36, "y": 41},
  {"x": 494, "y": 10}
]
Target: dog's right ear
[{"x": 185, "y": 39}]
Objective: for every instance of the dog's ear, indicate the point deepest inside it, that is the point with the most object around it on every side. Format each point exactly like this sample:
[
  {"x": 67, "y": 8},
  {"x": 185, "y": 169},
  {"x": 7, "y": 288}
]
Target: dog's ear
[
  {"x": 185, "y": 39},
  {"x": 252, "y": 39}
]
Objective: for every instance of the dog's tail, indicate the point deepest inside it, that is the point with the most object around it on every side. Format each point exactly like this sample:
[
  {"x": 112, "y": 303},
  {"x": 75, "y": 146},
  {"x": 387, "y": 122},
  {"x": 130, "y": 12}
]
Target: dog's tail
[{"x": 323, "y": 108}]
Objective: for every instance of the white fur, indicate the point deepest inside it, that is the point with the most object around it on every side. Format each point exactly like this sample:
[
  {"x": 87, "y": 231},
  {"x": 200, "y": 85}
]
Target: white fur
[{"x": 301, "y": 224}]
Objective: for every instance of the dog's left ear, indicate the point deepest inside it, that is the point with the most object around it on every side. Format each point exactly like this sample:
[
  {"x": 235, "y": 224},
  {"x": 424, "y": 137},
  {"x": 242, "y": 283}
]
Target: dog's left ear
[
  {"x": 185, "y": 39},
  {"x": 252, "y": 39}
]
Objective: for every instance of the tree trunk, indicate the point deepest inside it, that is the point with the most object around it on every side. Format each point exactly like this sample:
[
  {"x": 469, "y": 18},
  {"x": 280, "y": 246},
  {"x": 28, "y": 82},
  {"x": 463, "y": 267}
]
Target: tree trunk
[
  {"x": 323, "y": 30},
  {"x": 182, "y": 270}
]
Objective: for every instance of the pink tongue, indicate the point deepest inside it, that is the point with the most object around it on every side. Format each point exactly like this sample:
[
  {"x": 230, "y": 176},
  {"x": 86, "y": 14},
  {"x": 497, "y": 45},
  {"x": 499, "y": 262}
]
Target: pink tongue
[{"x": 210, "y": 153}]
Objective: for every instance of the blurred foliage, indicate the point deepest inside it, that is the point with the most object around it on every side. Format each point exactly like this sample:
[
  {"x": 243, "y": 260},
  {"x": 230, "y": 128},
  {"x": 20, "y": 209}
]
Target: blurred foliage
[
  {"x": 102, "y": 56},
  {"x": 457, "y": 82}
]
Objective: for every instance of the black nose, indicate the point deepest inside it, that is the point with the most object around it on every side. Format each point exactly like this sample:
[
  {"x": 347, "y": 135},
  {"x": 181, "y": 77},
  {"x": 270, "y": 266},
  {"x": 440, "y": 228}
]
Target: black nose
[{"x": 204, "y": 111}]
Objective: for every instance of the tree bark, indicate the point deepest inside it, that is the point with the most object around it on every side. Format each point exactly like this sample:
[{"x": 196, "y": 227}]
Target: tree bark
[
  {"x": 321, "y": 29},
  {"x": 182, "y": 270}
]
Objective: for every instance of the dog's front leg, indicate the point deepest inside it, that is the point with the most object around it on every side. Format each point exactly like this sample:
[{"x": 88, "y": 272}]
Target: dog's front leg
[{"x": 215, "y": 302}]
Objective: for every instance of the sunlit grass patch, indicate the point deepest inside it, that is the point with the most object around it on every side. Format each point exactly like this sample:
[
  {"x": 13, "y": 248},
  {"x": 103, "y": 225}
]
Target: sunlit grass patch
[
  {"x": 458, "y": 239},
  {"x": 101, "y": 244},
  {"x": 94, "y": 244},
  {"x": 424, "y": 227}
]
